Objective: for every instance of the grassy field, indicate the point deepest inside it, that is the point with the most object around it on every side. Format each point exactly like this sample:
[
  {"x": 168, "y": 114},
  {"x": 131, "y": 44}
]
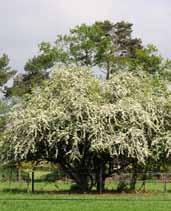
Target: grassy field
[
  {"x": 14, "y": 196},
  {"x": 64, "y": 186},
  {"x": 75, "y": 202}
]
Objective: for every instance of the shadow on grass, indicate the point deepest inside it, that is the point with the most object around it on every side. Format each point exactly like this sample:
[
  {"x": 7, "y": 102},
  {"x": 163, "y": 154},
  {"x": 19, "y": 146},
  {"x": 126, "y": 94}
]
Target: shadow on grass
[
  {"x": 14, "y": 190},
  {"x": 93, "y": 192},
  {"x": 108, "y": 196},
  {"x": 77, "y": 192}
]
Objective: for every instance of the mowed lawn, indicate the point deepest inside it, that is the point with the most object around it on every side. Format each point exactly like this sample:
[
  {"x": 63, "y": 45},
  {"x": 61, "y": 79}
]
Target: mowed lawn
[
  {"x": 84, "y": 202},
  {"x": 13, "y": 197}
]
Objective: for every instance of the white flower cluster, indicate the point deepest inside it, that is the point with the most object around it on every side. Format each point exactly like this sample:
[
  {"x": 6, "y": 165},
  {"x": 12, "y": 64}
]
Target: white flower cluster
[{"x": 128, "y": 115}]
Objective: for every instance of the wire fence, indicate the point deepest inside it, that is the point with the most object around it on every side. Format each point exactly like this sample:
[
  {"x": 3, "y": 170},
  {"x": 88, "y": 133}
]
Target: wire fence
[{"x": 26, "y": 180}]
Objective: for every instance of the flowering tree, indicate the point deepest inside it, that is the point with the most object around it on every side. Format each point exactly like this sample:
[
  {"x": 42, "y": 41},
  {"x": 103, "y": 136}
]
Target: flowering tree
[{"x": 92, "y": 127}]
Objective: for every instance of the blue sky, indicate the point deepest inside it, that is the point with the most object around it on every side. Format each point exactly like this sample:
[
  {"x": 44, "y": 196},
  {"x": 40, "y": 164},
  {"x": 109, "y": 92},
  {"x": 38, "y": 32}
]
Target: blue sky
[{"x": 25, "y": 23}]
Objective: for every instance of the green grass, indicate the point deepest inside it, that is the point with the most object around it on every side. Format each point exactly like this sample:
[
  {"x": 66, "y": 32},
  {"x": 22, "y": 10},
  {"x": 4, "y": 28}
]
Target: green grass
[
  {"x": 13, "y": 196},
  {"x": 22, "y": 201},
  {"x": 45, "y": 186},
  {"x": 75, "y": 202}
]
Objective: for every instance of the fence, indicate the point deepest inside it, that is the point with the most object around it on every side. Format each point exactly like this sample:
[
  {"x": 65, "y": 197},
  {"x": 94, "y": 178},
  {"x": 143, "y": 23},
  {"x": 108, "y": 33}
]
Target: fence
[{"x": 15, "y": 180}]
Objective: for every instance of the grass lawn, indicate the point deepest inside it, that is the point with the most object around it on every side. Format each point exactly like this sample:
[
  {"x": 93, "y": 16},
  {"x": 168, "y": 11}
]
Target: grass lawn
[
  {"x": 13, "y": 197},
  {"x": 61, "y": 185},
  {"x": 84, "y": 202}
]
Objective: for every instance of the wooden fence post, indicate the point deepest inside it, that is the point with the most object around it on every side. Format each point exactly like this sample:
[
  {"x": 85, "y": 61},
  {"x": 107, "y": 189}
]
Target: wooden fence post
[
  {"x": 165, "y": 183},
  {"x": 32, "y": 181}
]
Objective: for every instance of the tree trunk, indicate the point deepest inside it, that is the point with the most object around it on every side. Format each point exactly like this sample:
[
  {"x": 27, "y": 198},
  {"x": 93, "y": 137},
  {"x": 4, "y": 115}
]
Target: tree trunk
[
  {"x": 100, "y": 185},
  {"x": 108, "y": 71},
  {"x": 18, "y": 174},
  {"x": 100, "y": 179},
  {"x": 144, "y": 178},
  {"x": 133, "y": 178},
  {"x": 83, "y": 179},
  {"x": 133, "y": 182}
]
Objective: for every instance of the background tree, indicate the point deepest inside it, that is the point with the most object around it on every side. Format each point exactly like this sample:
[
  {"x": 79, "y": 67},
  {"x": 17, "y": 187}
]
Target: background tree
[
  {"x": 103, "y": 44},
  {"x": 148, "y": 59},
  {"x": 5, "y": 74},
  {"x": 3, "y": 110},
  {"x": 5, "y": 71}
]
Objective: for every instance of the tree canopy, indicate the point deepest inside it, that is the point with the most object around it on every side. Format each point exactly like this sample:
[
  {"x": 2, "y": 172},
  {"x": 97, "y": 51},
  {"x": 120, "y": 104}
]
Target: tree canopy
[
  {"x": 105, "y": 45},
  {"x": 85, "y": 124},
  {"x": 5, "y": 70}
]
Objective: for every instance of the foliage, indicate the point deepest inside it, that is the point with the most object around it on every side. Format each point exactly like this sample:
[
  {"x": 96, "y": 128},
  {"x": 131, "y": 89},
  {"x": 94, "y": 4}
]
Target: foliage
[
  {"x": 89, "y": 125},
  {"x": 3, "y": 110},
  {"x": 5, "y": 74},
  {"x": 105, "y": 45},
  {"x": 5, "y": 71},
  {"x": 5, "y": 106},
  {"x": 23, "y": 84},
  {"x": 102, "y": 44}
]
